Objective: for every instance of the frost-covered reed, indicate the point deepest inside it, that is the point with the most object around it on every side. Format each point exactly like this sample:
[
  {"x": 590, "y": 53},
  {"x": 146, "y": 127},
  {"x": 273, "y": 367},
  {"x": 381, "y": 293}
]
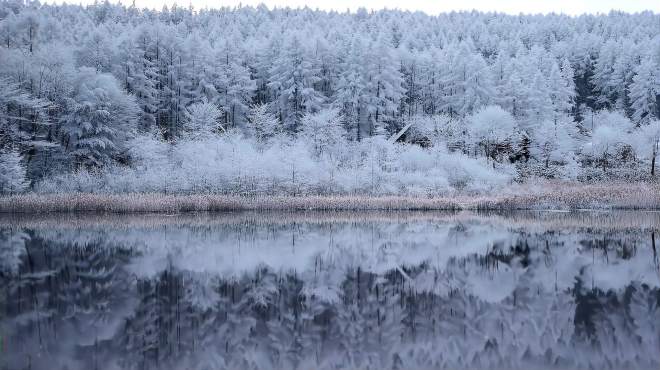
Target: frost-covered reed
[
  {"x": 546, "y": 195},
  {"x": 127, "y": 203},
  {"x": 565, "y": 220}
]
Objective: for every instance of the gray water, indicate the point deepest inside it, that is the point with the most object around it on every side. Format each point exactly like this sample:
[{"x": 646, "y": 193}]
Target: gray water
[{"x": 528, "y": 290}]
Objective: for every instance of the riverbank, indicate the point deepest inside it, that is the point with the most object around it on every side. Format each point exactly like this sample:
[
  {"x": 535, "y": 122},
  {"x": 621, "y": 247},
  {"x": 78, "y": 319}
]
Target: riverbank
[{"x": 549, "y": 195}]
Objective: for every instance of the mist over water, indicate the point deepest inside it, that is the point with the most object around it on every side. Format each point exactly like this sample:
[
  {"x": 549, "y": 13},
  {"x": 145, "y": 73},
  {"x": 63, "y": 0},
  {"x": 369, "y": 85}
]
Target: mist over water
[{"x": 379, "y": 290}]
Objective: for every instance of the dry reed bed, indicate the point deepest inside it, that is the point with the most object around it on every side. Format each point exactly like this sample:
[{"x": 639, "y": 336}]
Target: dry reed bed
[
  {"x": 549, "y": 195},
  {"x": 618, "y": 220},
  {"x": 141, "y": 203}
]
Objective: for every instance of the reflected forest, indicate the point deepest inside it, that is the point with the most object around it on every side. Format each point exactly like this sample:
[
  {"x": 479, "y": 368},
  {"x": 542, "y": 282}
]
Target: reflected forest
[{"x": 372, "y": 290}]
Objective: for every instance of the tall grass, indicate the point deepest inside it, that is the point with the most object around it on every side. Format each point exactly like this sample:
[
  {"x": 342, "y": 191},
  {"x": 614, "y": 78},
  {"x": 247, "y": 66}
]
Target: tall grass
[{"x": 547, "y": 195}]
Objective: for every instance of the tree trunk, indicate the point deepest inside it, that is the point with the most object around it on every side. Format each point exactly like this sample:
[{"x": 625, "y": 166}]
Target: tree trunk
[{"x": 653, "y": 161}]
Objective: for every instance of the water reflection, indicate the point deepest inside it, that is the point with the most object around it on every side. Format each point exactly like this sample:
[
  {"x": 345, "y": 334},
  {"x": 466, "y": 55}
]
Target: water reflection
[{"x": 330, "y": 290}]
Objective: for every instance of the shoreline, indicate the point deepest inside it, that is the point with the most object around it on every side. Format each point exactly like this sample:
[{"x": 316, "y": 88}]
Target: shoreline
[{"x": 544, "y": 196}]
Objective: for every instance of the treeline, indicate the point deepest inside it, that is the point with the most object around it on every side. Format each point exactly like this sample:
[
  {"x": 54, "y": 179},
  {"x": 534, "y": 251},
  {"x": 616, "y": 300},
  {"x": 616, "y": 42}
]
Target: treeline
[{"x": 79, "y": 83}]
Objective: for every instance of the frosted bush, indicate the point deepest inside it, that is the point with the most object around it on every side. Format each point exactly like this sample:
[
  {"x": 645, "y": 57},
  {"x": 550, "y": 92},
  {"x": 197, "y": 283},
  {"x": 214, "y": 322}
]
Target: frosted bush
[
  {"x": 233, "y": 164},
  {"x": 491, "y": 125},
  {"x": 415, "y": 158}
]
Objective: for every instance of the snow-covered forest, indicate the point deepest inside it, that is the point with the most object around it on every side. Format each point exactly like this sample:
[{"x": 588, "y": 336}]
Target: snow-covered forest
[{"x": 111, "y": 98}]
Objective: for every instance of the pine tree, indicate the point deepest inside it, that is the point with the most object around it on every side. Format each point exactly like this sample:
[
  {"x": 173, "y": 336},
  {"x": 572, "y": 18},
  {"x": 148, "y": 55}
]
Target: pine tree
[
  {"x": 430, "y": 92},
  {"x": 568, "y": 74}
]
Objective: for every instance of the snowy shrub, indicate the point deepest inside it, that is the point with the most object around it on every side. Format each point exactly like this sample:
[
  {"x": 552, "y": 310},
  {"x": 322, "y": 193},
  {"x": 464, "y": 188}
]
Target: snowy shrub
[
  {"x": 553, "y": 144},
  {"x": 492, "y": 123},
  {"x": 148, "y": 149},
  {"x": 233, "y": 164},
  {"x": 414, "y": 158},
  {"x": 612, "y": 133}
]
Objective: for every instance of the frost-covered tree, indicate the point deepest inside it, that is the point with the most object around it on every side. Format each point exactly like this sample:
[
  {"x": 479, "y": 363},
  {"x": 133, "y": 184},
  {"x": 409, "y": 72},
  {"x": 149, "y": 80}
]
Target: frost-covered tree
[
  {"x": 232, "y": 80},
  {"x": 349, "y": 86},
  {"x": 323, "y": 129},
  {"x": 20, "y": 113},
  {"x": 493, "y": 129},
  {"x": 137, "y": 72},
  {"x": 383, "y": 88},
  {"x": 293, "y": 77},
  {"x": 12, "y": 172},
  {"x": 467, "y": 82},
  {"x": 644, "y": 90},
  {"x": 554, "y": 142},
  {"x": 612, "y": 133},
  {"x": 101, "y": 119},
  {"x": 202, "y": 119},
  {"x": 262, "y": 124},
  {"x": 239, "y": 93},
  {"x": 96, "y": 51},
  {"x": 561, "y": 89},
  {"x": 649, "y": 143},
  {"x": 603, "y": 71}
]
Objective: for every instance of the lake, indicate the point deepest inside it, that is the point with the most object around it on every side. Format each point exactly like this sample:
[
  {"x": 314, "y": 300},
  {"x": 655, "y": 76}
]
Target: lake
[{"x": 333, "y": 290}]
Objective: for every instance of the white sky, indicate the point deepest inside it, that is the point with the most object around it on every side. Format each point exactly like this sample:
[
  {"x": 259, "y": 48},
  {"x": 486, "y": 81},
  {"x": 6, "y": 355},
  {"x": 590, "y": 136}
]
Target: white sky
[{"x": 572, "y": 7}]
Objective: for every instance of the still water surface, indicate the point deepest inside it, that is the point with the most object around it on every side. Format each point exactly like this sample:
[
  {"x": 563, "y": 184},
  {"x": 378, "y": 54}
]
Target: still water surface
[{"x": 370, "y": 290}]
